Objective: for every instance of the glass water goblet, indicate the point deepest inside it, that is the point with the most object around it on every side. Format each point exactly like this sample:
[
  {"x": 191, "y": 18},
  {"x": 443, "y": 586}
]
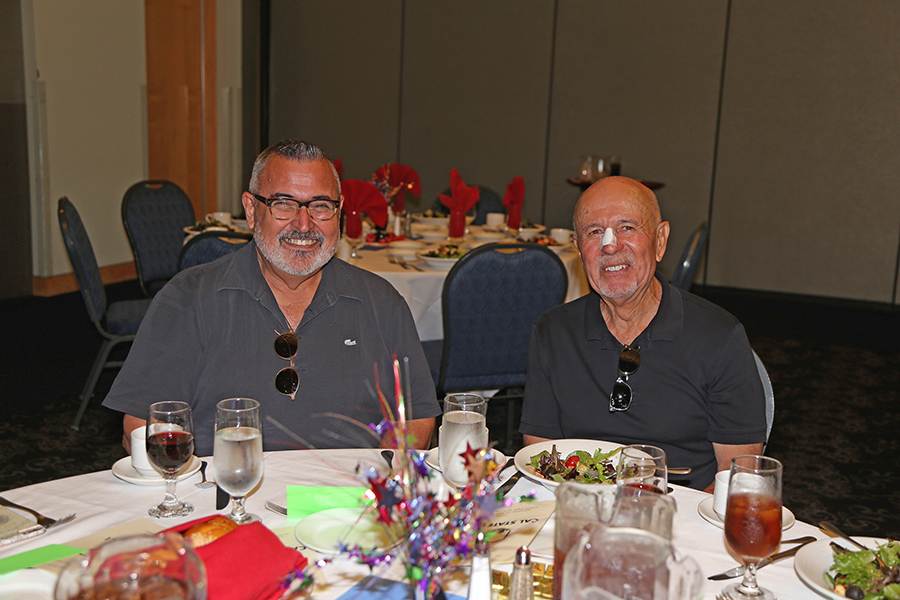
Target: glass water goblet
[
  {"x": 463, "y": 423},
  {"x": 753, "y": 519},
  {"x": 643, "y": 467},
  {"x": 238, "y": 452},
  {"x": 170, "y": 445}
]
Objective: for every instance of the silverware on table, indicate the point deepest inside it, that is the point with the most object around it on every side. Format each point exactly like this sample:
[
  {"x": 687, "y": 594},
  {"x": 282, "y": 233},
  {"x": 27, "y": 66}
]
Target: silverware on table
[
  {"x": 276, "y": 508},
  {"x": 509, "y": 483},
  {"x": 832, "y": 528},
  {"x": 406, "y": 265},
  {"x": 203, "y": 483},
  {"x": 397, "y": 261},
  {"x": 45, "y": 522},
  {"x": 738, "y": 571}
]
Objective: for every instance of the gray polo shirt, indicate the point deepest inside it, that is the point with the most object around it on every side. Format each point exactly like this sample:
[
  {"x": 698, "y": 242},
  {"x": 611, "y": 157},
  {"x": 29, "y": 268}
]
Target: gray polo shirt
[
  {"x": 209, "y": 335},
  {"x": 697, "y": 383}
]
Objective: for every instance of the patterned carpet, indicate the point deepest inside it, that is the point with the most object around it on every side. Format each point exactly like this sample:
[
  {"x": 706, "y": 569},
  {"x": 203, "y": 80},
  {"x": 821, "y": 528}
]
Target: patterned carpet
[{"x": 836, "y": 376}]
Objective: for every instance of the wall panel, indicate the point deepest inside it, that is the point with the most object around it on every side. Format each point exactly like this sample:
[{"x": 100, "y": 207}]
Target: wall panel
[
  {"x": 638, "y": 80},
  {"x": 807, "y": 181}
]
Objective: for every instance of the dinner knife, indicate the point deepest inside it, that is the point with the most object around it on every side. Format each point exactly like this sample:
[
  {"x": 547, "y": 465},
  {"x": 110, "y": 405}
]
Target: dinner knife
[
  {"x": 507, "y": 485},
  {"x": 738, "y": 571}
]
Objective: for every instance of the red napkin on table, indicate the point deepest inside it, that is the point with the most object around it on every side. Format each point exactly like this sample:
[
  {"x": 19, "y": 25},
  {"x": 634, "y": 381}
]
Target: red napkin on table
[
  {"x": 400, "y": 179},
  {"x": 339, "y": 167},
  {"x": 461, "y": 199},
  {"x": 250, "y": 563},
  {"x": 515, "y": 196},
  {"x": 362, "y": 197}
]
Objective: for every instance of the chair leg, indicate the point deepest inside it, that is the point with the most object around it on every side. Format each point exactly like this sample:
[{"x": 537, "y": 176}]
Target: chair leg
[{"x": 91, "y": 383}]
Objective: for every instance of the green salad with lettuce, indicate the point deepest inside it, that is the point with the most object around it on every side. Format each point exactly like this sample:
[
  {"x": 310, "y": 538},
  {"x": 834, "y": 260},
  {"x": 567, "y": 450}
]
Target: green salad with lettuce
[
  {"x": 579, "y": 465},
  {"x": 866, "y": 574}
]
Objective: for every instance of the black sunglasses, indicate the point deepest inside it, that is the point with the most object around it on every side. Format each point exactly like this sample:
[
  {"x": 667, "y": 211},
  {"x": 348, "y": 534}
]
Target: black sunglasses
[
  {"x": 621, "y": 395},
  {"x": 287, "y": 380}
]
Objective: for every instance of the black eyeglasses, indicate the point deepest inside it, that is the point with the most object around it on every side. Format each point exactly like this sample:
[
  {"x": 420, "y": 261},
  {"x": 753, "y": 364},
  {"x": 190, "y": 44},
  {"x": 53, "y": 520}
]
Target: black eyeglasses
[
  {"x": 287, "y": 380},
  {"x": 284, "y": 209},
  {"x": 621, "y": 395}
]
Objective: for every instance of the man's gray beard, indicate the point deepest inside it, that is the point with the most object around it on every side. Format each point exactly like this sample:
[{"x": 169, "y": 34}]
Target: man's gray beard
[{"x": 281, "y": 258}]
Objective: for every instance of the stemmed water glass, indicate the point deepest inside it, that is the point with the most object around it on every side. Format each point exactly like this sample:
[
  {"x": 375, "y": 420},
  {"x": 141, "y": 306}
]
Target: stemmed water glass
[
  {"x": 170, "y": 445},
  {"x": 643, "y": 467},
  {"x": 238, "y": 452},
  {"x": 753, "y": 519}
]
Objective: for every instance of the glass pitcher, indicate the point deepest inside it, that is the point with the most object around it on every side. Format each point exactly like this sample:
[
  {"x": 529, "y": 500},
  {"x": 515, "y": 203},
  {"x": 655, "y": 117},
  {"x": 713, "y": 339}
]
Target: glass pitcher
[{"x": 626, "y": 563}]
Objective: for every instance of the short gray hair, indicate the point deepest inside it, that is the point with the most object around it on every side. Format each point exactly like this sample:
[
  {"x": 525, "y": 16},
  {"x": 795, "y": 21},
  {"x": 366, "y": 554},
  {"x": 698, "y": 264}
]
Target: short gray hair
[{"x": 294, "y": 150}]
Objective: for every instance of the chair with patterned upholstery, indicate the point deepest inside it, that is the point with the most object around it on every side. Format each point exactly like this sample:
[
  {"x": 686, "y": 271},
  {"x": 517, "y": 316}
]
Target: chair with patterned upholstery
[
  {"x": 117, "y": 322},
  {"x": 690, "y": 258},
  {"x": 155, "y": 214},
  {"x": 491, "y": 299},
  {"x": 210, "y": 245}
]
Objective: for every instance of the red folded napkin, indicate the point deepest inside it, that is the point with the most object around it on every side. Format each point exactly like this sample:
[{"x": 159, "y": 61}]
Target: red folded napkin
[
  {"x": 461, "y": 199},
  {"x": 362, "y": 197},
  {"x": 399, "y": 179},
  {"x": 250, "y": 563},
  {"x": 339, "y": 167},
  {"x": 515, "y": 196}
]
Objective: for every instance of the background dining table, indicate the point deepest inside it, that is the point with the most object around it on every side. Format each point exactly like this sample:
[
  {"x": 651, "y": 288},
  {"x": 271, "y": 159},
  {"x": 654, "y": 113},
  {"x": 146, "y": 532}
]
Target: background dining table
[
  {"x": 422, "y": 288},
  {"x": 102, "y": 501}
]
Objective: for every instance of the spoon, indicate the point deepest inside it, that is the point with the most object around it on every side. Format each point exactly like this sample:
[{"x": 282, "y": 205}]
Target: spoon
[
  {"x": 388, "y": 456},
  {"x": 203, "y": 483}
]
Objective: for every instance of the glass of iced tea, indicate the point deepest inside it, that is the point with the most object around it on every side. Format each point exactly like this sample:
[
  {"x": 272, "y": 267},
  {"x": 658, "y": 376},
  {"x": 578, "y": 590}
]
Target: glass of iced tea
[{"x": 753, "y": 519}]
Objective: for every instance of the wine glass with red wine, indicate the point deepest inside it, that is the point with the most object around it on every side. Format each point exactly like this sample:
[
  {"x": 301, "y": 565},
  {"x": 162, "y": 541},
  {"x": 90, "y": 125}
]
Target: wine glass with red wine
[
  {"x": 643, "y": 467},
  {"x": 170, "y": 445},
  {"x": 753, "y": 519}
]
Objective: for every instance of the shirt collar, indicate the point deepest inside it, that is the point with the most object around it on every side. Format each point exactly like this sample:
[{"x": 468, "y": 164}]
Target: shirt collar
[{"x": 665, "y": 326}]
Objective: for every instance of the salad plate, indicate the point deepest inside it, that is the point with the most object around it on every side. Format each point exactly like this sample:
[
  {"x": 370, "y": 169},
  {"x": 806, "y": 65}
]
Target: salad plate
[
  {"x": 706, "y": 511},
  {"x": 124, "y": 471},
  {"x": 813, "y": 561},
  {"x": 564, "y": 447},
  {"x": 325, "y": 531}
]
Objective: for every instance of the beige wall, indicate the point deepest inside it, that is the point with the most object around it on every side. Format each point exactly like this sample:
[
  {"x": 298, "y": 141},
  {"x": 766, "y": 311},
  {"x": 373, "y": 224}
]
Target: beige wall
[
  {"x": 90, "y": 63},
  {"x": 806, "y": 150}
]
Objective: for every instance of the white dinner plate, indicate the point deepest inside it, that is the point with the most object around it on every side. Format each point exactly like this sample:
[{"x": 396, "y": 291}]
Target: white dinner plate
[
  {"x": 481, "y": 235},
  {"x": 813, "y": 561},
  {"x": 706, "y": 511},
  {"x": 326, "y": 530},
  {"x": 564, "y": 447},
  {"x": 124, "y": 471},
  {"x": 439, "y": 264},
  {"x": 420, "y": 218},
  {"x": 27, "y": 584},
  {"x": 432, "y": 458},
  {"x": 562, "y": 248}
]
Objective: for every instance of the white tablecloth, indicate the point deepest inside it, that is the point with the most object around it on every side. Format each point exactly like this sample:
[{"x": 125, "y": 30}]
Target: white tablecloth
[
  {"x": 102, "y": 501},
  {"x": 422, "y": 289}
]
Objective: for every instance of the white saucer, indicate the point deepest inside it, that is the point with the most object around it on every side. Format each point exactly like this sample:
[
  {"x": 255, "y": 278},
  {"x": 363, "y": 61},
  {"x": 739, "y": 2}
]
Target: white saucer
[
  {"x": 124, "y": 471},
  {"x": 432, "y": 460},
  {"x": 706, "y": 511}
]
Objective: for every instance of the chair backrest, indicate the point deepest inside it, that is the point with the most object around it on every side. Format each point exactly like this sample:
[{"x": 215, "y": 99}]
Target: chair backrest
[
  {"x": 769, "y": 392},
  {"x": 690, "y": 258},
  {"x": 155, "y": 214},
  {"x": 84, "y": 262},
  {"x": 490, "y": 302},
  {"x": 488, "y": 202},
  {"x": 210, "y": 245}
]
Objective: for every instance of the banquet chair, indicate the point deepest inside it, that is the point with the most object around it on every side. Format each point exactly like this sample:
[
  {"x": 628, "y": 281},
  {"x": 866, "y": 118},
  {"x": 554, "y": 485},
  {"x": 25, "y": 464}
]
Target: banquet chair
[
  {"x": 155, "y": 214},
  {"x": 690, "y": 258},
  {"x": 490, "y": 300},
  {"x": 210, "y": 245},
  {"x": 488, "y": 202},
  {"x": 769, "y": 393},
  {"x": 117, "y": 322}
]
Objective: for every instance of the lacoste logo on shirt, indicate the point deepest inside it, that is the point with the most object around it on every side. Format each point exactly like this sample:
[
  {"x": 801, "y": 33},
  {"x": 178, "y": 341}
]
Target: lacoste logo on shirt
[{"x": 349, "y": 342}]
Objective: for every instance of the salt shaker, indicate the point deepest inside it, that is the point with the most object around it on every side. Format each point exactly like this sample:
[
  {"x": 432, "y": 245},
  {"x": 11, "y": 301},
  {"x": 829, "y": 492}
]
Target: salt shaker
[
  {"x": 522, "y": 585},
  {"x": 480, "y": 577}
]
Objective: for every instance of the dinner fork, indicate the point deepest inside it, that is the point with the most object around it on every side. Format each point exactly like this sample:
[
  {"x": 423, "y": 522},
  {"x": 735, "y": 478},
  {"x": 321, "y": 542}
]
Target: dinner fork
[
  {"x": 394, "y": 260},
  {"x": 406, "y": 265},
  {"x": 45, "y": 522}
]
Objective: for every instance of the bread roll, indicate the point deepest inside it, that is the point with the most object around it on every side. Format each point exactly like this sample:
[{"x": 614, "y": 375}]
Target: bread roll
[{"x": 208, "y": 532}]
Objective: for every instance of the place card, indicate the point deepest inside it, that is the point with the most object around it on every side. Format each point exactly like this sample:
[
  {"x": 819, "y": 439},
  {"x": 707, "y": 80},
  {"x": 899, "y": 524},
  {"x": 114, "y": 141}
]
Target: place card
[{"x": 516, "y": 526}]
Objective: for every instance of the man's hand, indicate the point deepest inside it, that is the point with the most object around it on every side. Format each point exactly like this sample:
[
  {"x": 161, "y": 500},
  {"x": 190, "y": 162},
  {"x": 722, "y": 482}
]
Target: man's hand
[
  {"x": 421, "y": 429},
  {"x": 129, "y": 424},
  {"x": 724, "y": 454}
]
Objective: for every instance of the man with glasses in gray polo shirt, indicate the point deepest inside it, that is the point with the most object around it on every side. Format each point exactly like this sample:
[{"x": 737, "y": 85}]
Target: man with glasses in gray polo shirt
[
  {"x": 283, "y": 322},
  {"x": 637, "y": 361}
]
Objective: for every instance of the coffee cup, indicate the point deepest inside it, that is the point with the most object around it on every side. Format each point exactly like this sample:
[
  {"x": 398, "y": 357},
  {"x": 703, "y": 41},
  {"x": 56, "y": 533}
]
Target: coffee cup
[
  {"x": 139, "y": 459},
  {"x": 720, "y": 495},
  {"x": 562, "y": 236},
  {"x": 495, "y": 219},
  {"x": 222, "y": 217}
]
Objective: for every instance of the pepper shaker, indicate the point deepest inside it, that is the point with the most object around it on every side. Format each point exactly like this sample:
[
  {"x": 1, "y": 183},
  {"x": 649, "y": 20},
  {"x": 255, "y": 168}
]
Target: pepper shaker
[{"x": 522, "y": 585}]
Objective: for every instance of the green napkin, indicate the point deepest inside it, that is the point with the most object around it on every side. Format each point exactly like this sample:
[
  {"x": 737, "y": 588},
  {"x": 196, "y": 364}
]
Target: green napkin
[
  {"x": 304, "y": 500},
  {"x": 38, "y": 556}
]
